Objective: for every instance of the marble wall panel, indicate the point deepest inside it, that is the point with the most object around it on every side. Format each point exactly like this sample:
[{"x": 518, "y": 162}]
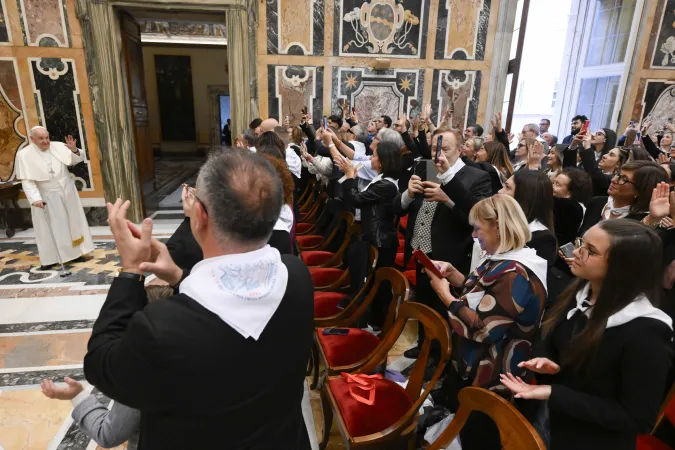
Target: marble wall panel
[
  {"x": 12, "y": 122},
  {"x": 5, "y": 32},
  {"x": 459, "y": 88},
  {"x": 295, "y": 27},
  {"x": 664, "y": 47},
  {"x": 292, "y": 88},
  {"x": 657, "y": 101},
  {"x": 377, "y": 93},
  {"x": 59, "y": 107},
  {"x": 44, "y": 23},
  {"x": 462, "y": 29},
  {"x": 381, "y": 28}
]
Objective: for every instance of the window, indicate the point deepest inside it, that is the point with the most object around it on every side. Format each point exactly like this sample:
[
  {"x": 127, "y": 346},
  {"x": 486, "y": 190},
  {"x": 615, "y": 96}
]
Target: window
[
  {"x": 610, "y": 32},
  {"x": 597, "y": 97}
]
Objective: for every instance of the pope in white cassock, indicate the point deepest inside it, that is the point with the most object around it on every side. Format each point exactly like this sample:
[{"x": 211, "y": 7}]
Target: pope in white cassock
[{"x": 42, "y": 169}]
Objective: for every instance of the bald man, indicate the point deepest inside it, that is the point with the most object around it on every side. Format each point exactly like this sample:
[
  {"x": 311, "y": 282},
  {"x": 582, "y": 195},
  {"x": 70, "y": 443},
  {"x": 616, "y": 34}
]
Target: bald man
[
  {"x": 268, "y": 125},
  {"x": 42, "y": 168}
]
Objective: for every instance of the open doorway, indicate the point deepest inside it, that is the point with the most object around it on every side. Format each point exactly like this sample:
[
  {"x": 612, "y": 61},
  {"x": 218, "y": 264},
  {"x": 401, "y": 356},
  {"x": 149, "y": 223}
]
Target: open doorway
[{"x": 176, "y": 67}]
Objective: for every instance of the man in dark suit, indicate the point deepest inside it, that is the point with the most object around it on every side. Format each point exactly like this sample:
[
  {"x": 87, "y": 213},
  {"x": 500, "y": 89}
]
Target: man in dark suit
[
  {"x": 438, "y": 221},
  {"x": 227, "y": 133},
  {"x": 197, "y": 365}
]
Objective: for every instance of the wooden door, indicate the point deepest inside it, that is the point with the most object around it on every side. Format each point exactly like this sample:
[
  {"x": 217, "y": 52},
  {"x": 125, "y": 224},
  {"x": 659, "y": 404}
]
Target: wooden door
[{"x": 133, "y": 60}]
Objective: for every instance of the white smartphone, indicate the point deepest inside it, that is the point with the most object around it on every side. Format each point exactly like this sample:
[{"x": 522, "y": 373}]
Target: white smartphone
[{"x": 568, "y": 250}]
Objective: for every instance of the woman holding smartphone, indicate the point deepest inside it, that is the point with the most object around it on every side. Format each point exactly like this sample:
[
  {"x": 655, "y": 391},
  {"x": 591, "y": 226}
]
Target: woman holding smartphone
[
  {"x": 496, "y": 315},
  {"x": 607, "y": 351}
]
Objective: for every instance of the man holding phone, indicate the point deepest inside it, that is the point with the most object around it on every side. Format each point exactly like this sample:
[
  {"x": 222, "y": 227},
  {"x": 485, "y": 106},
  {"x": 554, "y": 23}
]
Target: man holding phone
[
  {"x": 438, "y": 218},
  {"x": 577, "y": 122}
]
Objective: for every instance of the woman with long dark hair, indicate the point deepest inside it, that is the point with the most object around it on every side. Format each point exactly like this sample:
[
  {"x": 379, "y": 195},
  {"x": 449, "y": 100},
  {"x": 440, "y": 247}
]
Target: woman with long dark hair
[
  {"x": 572, "y": 188},
  {"x": 377, "y": 213},
  {"x": 494, "y": 159},
  {"x": 534, "y": 193},
  {"x": 607, "y": 350}
]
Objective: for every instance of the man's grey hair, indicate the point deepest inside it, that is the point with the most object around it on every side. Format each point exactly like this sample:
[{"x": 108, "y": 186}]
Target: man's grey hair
[
  {"x": 390, "y": 136},
  {"x": 242, "y": 194},
  {"x": 360, "y": 132},
  {"x": 249, "y": 137},
  {"x": 532, "y": 127}
]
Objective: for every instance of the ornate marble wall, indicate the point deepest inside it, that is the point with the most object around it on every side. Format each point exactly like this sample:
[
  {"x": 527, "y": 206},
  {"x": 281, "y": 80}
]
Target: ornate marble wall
[
  {"x": 321, "y": 53},
  {"x": 43, "y": 81}
]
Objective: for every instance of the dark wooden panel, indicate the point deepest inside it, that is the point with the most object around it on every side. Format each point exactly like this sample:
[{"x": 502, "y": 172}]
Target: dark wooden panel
[{"x": 176, "y": 99}]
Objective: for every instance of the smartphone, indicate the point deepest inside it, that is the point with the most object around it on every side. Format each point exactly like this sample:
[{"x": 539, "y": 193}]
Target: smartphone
[
  {"x": 335, "y": 331},
  {"x": 325, "y": 122},
  {"x": 584, "y": 127},
  {"x": 439, "y": 147},
  {"x": 568, "y": 250},
  {"x": 427, "y": 263}
]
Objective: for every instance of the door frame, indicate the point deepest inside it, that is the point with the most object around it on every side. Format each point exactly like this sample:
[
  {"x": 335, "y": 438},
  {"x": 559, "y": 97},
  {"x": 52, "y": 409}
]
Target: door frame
[{"x": 102, "y": 40}]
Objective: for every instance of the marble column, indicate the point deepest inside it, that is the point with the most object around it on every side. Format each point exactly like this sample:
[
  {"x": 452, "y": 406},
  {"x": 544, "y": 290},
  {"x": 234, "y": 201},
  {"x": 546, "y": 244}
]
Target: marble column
[
  {"x": 112, "y": 119},
  {"x": 238, "y": 62}
]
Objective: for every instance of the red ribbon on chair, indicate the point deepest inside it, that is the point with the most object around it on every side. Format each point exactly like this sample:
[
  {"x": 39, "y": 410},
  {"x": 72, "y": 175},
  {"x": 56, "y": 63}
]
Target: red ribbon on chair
[{"x": 365, "y": 383}]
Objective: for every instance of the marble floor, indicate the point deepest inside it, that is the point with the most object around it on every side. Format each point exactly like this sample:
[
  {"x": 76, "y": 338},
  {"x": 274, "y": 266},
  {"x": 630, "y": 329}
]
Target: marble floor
[{"x": 45, "y": 323}]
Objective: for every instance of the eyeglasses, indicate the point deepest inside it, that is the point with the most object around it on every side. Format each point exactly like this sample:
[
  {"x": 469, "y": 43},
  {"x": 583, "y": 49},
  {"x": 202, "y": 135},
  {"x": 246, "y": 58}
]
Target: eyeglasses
[
  {"x": 622, "y": 179},
  {"x": 192, "y": 191},
  {"x": 584, "y": 252}
]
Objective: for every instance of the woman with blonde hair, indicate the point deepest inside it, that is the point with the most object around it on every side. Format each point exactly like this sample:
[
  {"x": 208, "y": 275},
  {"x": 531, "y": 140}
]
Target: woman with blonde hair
[{"x": 497, "y": 314}]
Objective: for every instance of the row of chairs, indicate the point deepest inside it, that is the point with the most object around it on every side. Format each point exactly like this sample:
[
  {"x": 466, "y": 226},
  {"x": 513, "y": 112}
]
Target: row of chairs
[{"x": 390, "y": 422}]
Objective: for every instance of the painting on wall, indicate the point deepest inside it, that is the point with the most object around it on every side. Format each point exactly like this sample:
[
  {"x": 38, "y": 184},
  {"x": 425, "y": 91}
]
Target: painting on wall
[
  {"x": 458, "y": 89},
  {"x": 292, "y": 88},
  {"x": 658, "y": 102},
  {"x": 44, "y": 23},
  {"x": 381, "y": 28},
  {"x": 376, "y": 93},
  {"x": 59, "y": 108},
  {"x": 664, "y": 46},
  {"x": 462, "y": 29},
  {"x": 295, "y": 27},
  {"x": 5, "y": 32},
  {"x": 13, "y": 135}
]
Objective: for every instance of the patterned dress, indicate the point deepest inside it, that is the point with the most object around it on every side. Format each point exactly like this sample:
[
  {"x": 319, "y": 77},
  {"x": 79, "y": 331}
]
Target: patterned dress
[{"x": 495, "y": 321}]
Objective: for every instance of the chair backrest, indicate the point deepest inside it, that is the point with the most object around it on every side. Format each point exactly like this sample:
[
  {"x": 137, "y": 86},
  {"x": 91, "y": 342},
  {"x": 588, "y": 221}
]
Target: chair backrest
[
  {"x": 354, "y": 229},
  {"x": 337, "y": 230},
  {"x": 515, "y": 431},
  {"x": 667, "y": 409},
  {"x": 436, "y": 328}
]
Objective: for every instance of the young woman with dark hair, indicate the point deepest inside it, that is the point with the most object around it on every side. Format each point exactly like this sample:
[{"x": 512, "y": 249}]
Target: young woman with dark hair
[
  {"x": 377, "y": 213},
  {"x": 494, "y": 159},
  {"x": 607, "y": 351},
  {"x": 272, "y": 139},
  {"x": 629, "y": 194},
  {"x": 555, "y": 165},
  {"x": 534, "y": 193},
  {"x": 572, "y": 188}
]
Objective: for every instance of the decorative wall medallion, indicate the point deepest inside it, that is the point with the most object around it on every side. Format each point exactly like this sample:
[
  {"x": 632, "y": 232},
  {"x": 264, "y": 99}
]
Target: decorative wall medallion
[
  {"x": 460, "y": 89},
  {"x": 295, "y": 27},
  {"x": 292, "y": 88},
  {"x": 658, "y": 102},
  {"x": 374, "y": 94},
  {"x": 44, "y": 23},
  {"x": 13, "y": 135},
  {"x": 378, "y": 28},
  {"x": 59, "y": 108},
  {"x": 5, "y": 31},
  {"x": 664, "y": 46},
  {"x": 462, "y": 29}
]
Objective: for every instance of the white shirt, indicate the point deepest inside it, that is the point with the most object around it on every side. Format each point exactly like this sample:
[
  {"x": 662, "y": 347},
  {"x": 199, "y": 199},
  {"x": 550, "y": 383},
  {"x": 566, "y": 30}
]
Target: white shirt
[
  {"x": 293, "y": 162},
  {"x": 444, "y": 178}
]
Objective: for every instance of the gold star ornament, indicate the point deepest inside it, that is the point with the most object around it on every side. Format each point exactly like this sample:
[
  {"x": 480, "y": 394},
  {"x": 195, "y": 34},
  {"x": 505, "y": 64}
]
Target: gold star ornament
[
  {"x": 351, "y": 81},
  {"x": 406, "y": 84}
]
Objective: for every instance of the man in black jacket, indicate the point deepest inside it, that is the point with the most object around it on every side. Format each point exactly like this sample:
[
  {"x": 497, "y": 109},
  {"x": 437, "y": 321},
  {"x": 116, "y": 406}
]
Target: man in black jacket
[
  {"x": 438, "y": 218},
  {"x": 222, "y": 364}
]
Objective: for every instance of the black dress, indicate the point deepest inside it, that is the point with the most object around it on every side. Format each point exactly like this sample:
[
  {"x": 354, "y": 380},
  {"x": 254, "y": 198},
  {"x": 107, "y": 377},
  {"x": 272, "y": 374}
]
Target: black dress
[{"x": 607, "y": 404}]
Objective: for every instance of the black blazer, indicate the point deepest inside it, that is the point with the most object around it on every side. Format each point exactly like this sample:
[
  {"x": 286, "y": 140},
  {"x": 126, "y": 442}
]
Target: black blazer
[
  {"x": 606, "y": 404},
  {"x": 450, "y": 230},
  {"x": 590, "y": 165},
  {"x": 159, "y": 357},
  {"x": 377, "y": 211},
  {"x": 567, "y": 217},
  {"x": 544, "y": 243},
  {"x": 495, "y": 182}
]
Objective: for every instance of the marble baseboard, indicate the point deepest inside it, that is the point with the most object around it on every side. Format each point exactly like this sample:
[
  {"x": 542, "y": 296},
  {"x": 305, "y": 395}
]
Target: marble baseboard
[
  {"x": 45, "y": 326},
  {"x": 36, "y": 376}
]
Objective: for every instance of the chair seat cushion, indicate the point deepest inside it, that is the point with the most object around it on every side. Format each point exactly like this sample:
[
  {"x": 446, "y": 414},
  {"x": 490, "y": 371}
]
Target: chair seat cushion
[
  {"x": 303, "y": 227},
  {"x": 401, "y": 246},
  {"x": 309, "y": 240},
  {"x": 391, "y": 403},
  {"x": 347, "y": 350},
  {"x": 411, "y": 275},
  {"x": 647, "y": 442},
  {"x": 400, "y": 259},
  {"x": 315, "y": 257},
  {"x": 325, "y": 276},
  {"x": 403, "y": 222},
  {"x": 325, "y": 303}
]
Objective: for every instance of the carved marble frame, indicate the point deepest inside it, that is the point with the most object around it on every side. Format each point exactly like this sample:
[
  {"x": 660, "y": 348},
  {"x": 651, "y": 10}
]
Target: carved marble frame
[
  {"x": 101, "y": 35},
  {"x": 215, "y": 91}
]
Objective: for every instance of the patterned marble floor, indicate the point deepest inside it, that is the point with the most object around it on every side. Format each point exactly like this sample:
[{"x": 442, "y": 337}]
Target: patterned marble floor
[{"x": 45, "y": 323}]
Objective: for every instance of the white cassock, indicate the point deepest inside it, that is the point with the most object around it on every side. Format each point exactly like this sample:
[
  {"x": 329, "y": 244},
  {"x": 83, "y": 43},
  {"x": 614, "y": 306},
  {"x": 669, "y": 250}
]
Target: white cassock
[{"x": 44, "y": 176}]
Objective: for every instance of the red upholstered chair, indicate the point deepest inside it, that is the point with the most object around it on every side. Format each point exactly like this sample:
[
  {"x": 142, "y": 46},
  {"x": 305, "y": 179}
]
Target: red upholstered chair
[
  {"x": 336, "y": 279},
  {"x": 515, "y": 431},
  {"x": 399, "y": 262},
  {"x": 403, "y": 222},
  {"x": 411, "y": 276},
  {"x": 319, "y": 242},
  {"x": 649, "y": 441},
  {"x": 302, "y": 198},
  {"x": 315, "y": 209},
  {"x": 390, "y": 422},
  {"x": 321, "y": 258},
  {"x": 347, "y": 353},
  {"x": 306, "y": 203}
]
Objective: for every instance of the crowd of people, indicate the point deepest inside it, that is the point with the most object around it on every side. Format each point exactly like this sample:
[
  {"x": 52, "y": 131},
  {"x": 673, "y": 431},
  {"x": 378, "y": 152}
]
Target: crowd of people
[{"x": 557, "y": 264}]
